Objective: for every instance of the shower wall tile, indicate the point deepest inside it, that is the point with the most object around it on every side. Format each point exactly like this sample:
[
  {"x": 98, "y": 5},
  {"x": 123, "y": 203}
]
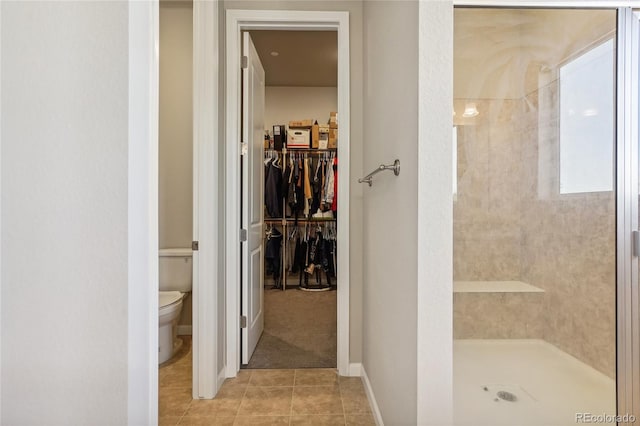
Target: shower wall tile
[
  {"x": 511, "y": 223},
  {"x": 498, "y": 315}
]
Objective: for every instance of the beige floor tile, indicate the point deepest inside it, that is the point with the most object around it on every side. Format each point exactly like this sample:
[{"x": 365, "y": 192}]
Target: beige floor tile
[
  {"x": 242, "y": 377},
  {"x": 261, "y": 420},
  {"x": 316, "y": 377},
  {"x": 317, "y": 400},
  {"x": 168, "y": 420},
  {"x": 350, "y": 382},
  {"x": 206, "y": 421},
  {"x": 317, "y": 420},
  {"x": 177, "y": 378},
  {"x": 173, "y": 401},
  {"x": 266, "y": 401},
  {"x": 226, "y": 402},
  {"x": 354, "y": 399},
  {"x": 360, "y": 420},
  {"x": 272, "y": 378}
]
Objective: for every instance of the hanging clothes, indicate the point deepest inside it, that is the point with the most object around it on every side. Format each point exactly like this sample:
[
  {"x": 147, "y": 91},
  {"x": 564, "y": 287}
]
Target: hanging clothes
[
  {"x": 334, "y": 205},
  {"x": 273, "y": 189},
  {"x": 328, "y": 187},
  {"x": 273, "y": 253}
]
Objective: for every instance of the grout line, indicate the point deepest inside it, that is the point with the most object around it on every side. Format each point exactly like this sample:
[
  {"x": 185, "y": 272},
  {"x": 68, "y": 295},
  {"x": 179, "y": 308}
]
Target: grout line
[
  {"x": 244, "y": 394},
  {"x": 344, "y": 412},
  {"x": 293, "y": 390}
]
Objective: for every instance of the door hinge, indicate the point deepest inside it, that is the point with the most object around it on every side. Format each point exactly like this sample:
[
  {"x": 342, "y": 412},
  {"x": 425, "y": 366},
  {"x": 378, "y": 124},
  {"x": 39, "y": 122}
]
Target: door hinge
[
  {"x": 245, "y": 62},
  {"x": 243, "y": 321},
  {"x": 194, "y": 245},
  {"x": 243, "y": 235},
  {"x": 244, "y": 148},
  {"x": 635, "y": 243}
]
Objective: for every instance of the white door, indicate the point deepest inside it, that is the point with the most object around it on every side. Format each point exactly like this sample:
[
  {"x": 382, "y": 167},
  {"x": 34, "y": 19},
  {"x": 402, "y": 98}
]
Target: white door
[{"x": 252, "y": 199}]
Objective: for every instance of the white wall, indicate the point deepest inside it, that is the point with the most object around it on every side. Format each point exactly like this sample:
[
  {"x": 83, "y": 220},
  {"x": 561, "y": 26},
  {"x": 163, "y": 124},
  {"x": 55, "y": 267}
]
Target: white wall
[
  {"x": 284, "y": 104},
  {"x": 64, "y": 212},
  {"x": 390, "y": 207}
]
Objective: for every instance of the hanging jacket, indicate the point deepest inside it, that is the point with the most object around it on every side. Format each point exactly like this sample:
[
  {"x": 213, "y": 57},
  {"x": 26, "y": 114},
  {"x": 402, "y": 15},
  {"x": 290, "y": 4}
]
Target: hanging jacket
[{"x": 273, "y": 190}]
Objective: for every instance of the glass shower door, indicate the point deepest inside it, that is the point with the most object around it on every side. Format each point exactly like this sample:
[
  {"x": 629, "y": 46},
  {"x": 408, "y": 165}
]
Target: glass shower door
[{"x": 535, "y": 279}]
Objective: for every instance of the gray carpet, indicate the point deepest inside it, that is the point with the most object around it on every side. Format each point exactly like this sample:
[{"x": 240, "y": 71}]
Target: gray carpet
[{"x": 299, "y": 330}]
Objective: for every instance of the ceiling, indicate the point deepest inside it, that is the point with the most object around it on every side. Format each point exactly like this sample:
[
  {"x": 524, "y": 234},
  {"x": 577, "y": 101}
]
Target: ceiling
[
  {"x": 305, "y": 58},
  {"x": 507, "y": 53}
]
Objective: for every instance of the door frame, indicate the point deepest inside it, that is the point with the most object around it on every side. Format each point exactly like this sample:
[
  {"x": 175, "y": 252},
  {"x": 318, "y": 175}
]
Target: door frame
[
  {"x": 237, "y": 21},
  {"x": 627, "y": 189}
]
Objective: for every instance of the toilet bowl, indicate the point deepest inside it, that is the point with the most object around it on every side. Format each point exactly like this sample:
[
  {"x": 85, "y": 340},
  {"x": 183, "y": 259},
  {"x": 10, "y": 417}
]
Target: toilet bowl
[
  {"x": 175, "y": 282},
  {"x": 169, "y": 307}
]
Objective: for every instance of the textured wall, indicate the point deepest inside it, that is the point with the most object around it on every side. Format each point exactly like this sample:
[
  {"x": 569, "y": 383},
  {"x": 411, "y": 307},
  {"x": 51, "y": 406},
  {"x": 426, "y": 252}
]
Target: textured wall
[
  {"x": 65, "y": 73},
  {"x": 390, "y": 206}
]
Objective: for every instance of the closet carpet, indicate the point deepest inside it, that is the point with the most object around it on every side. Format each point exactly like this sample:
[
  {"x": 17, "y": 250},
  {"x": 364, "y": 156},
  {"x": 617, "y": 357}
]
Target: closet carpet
[{"x": 299, "y": 330}]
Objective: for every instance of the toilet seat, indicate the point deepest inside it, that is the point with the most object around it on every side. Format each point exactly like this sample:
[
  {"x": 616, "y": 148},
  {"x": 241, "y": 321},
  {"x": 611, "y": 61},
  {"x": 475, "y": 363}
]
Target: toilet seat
[{"x": 168, "y": 298}]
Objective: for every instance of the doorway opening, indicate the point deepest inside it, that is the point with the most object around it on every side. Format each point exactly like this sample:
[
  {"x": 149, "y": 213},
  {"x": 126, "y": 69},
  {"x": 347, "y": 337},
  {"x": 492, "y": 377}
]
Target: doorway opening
[
  {"x": 282, "y": 319},
  {"x": 290, "y": 170}
]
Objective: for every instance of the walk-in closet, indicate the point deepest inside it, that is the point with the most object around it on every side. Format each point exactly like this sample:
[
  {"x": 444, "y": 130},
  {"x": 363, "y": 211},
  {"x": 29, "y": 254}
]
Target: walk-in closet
[{"x": 300, "y": 182}]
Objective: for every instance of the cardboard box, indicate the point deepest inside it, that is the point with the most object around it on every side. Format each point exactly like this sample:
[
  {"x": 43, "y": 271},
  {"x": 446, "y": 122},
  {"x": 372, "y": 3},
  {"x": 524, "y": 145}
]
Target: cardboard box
[
  {"x": 301, "y": 123},
  {"x": 333, "y": 120},
  {"x": 323, "y": 128},
  {"x": 315, "y": 135},
  {"x": 323, "y": 141},
  {"x": 279, "y": 136},
  {"x": 299, "y": 138},
  {"x": 333, "y": 138}
]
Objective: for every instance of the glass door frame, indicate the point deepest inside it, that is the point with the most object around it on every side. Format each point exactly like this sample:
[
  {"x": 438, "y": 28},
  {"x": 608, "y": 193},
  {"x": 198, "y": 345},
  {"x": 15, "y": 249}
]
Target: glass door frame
[
  {"x": 627, "y": 187},
  {"x": 628, "y": 237}
]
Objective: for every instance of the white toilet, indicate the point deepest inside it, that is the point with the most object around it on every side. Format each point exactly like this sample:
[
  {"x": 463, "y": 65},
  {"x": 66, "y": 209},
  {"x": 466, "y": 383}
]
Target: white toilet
[{"x": 175, "y": 283}]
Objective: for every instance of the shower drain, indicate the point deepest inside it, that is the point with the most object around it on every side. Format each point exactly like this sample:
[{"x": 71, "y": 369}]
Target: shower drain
[{"x": 506, "y": 396}]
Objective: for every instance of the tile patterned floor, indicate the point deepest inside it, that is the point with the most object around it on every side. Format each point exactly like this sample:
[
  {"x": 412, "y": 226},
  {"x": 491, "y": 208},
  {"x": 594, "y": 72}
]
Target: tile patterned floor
[{"x": 263, "y": 397}]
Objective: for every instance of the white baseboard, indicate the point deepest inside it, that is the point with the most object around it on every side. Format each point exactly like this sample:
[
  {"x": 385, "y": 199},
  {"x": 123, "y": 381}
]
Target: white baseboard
[
  {"x": 185, "y": 330},
  {"x": 377, "y": 416},
  {"x": 222, "y": 375},
  {"x": 355, "y": 369}
]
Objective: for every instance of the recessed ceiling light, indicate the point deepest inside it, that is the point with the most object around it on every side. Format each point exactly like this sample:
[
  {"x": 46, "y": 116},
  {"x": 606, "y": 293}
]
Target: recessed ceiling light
[
  {"x": 470, "y": 110},
  {"x": 274, "y": 53}
]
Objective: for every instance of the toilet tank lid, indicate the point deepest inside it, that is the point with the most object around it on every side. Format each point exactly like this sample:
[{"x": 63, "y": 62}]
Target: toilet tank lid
[{"x": 175, "y": 252}]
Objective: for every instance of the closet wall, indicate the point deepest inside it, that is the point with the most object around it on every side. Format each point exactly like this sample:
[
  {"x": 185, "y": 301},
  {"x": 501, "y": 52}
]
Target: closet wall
[{"x": 283, "y": 104}]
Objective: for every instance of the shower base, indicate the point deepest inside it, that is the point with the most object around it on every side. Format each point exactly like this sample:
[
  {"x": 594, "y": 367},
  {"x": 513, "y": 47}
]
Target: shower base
[{"x": 525, "y": 383}]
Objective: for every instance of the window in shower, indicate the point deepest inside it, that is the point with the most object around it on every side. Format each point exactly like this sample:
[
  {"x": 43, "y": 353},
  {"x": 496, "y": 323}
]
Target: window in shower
[{"x": 587, "y": 121}]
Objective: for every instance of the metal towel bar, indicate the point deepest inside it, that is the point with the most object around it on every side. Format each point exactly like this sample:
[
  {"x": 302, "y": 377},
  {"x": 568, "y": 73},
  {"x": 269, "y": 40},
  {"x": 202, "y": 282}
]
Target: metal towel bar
[{"x": 369, "y": 178}]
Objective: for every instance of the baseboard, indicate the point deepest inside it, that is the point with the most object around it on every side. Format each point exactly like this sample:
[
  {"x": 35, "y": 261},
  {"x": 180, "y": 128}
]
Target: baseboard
[
  {"x": 377, "y": 416},
  {"x": 222, "y": 375},
  {"x": 355, "y": 369},
  {"x": 185, "y": 330}
]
